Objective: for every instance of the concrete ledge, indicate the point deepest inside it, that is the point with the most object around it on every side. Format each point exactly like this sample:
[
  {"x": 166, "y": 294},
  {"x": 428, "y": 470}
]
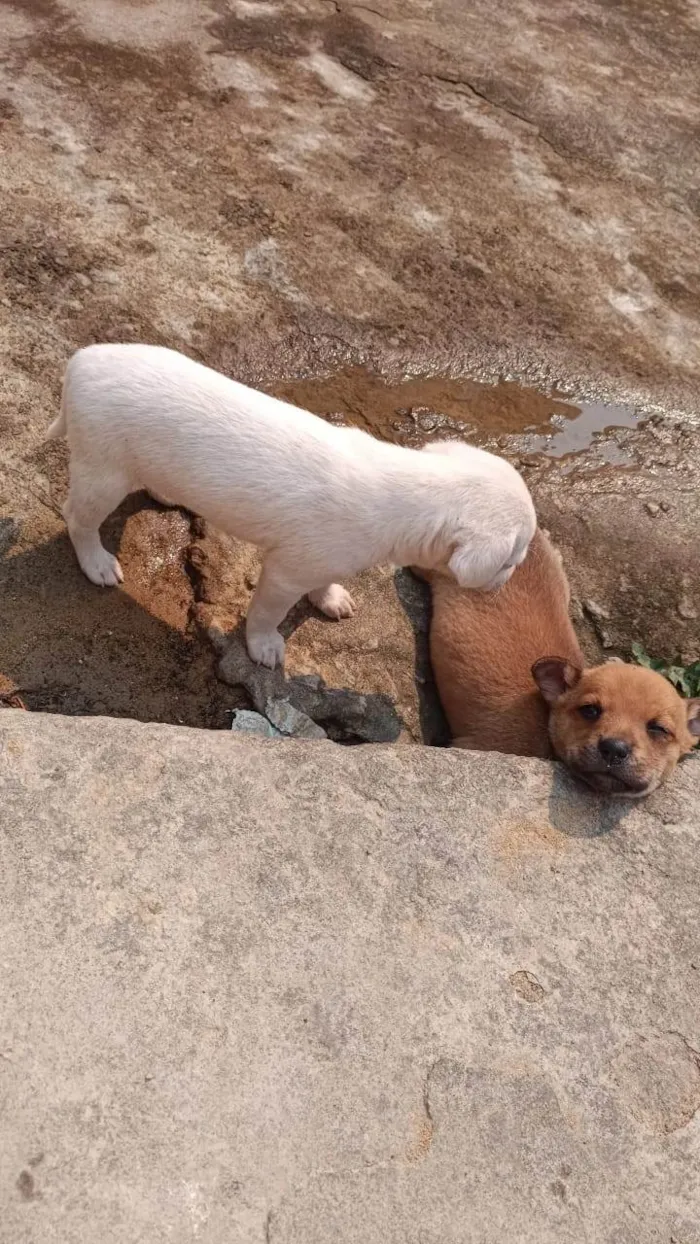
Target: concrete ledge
[{"x": 290, "y": 993}]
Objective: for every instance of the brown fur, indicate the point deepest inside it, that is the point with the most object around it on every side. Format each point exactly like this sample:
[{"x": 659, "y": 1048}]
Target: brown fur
[{"x": 483, "y": 647}]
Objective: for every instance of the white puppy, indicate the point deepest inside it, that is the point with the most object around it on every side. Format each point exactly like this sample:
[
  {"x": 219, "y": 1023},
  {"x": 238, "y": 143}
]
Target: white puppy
[{"x": 321, "y": 501}]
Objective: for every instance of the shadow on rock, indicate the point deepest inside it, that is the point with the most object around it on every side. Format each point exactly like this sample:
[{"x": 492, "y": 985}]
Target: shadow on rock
[
  {"x": 581, "y": 813},
  {"x": 414, "y": 597},
  {"x": 67, "y": 646},
  {"x": 346, "y": 716}
]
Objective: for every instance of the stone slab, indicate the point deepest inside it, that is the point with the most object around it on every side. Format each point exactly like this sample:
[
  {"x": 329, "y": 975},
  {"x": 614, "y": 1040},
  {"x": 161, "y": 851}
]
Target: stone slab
[{"x": 271, "y": 992}]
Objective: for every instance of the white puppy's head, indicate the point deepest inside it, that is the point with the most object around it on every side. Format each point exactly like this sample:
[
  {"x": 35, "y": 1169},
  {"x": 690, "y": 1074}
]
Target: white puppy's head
[{"x": 494, "y": 519}]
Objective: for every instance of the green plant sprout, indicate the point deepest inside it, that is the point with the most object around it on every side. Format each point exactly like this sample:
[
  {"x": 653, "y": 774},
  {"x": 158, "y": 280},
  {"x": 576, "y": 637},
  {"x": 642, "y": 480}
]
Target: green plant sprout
[{"x": 685, "y": 678}]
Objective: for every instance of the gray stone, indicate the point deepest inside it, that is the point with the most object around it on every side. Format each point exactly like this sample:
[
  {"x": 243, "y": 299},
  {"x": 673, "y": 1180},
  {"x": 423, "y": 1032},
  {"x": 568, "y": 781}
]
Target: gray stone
[
  {"x": 290, "y": 721},
  {"x": 346, "y": 716},
  {"x": 293, "y": 993},
  {"x": 244, "y": 721},
  {"x": 237, "y": 669}
]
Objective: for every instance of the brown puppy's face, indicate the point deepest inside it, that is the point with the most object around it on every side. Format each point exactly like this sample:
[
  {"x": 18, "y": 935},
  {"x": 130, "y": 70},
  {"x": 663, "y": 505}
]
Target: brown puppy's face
[{"x": 620, "y": 728}]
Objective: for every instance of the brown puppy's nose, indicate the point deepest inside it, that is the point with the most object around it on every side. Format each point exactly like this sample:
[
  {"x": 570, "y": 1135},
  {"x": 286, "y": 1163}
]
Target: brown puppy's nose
[{"x": 613, "y": 751}]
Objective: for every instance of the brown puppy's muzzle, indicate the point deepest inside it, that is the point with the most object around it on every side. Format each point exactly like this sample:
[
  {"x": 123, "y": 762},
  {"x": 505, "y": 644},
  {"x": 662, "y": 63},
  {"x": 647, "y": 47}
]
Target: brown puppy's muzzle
[{"x": 610, "y": 765}]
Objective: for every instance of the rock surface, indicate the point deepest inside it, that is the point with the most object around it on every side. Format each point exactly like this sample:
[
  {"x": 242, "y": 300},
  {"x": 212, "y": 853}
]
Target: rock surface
[{"x": 288, "y": 993}]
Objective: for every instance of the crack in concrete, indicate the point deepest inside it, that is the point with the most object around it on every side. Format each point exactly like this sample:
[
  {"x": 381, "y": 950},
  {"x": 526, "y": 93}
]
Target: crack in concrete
[
  {"x": 418, "y": 1151},
  {"x": 475, "y": 93},
  {"x": 365, "y": 8},
  {"x": 673, "y": 1032},
  {"x": 426, "y": 1094}
]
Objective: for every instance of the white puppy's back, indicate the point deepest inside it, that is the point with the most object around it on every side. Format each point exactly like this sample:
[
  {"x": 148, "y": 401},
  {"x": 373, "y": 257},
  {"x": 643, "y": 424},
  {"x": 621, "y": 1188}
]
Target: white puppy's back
[
  {"x": 183, "y": 431},
  {"x": 152, "y": 418},
  {"x": 322, "y": 502}
]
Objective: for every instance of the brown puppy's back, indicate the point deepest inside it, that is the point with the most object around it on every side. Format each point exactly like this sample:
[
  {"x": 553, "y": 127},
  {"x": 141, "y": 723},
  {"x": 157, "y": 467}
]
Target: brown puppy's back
[{"x": 483, "y": 646}]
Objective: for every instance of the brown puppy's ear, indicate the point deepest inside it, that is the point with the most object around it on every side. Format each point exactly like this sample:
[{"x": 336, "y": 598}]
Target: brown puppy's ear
[
  {"x": 692, "y": 708},
  {"x": 554, "y": 676}
]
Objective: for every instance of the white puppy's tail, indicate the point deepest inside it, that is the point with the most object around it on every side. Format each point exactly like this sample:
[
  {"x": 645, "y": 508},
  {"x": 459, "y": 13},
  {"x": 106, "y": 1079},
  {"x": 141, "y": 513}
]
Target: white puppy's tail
[{"x": 58, "y": 427}]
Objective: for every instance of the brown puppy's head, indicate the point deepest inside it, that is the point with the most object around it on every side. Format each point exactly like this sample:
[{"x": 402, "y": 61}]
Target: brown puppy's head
[{"x": 619, "y": 727}]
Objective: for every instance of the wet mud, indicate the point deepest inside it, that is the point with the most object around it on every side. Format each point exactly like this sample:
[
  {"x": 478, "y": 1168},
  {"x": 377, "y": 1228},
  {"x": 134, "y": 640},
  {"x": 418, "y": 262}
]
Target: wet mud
[{"x": 506, "y": 415}]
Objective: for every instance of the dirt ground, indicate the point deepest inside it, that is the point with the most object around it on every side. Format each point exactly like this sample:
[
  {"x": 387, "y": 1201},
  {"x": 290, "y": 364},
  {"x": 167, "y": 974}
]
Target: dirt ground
[{"x": 318, "y": 197}]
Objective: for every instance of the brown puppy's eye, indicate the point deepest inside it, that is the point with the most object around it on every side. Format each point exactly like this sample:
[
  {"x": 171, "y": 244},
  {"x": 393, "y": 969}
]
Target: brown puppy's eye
[
  {"x": 657, "y": 731},
  {"x": 590, "y": 712}
]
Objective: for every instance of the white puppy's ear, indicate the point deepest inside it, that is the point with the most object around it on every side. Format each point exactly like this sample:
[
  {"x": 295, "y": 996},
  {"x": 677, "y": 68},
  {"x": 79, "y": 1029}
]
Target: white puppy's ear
[
  {"x": 466, "y": 568},
  {"x": 554, "y": 677},
  {"x": 476, "y": 565}
]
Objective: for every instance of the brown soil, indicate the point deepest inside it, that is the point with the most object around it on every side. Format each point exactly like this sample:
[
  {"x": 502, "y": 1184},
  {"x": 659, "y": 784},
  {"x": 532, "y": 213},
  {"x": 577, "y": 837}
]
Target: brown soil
[{"x": 491, "y": 191}]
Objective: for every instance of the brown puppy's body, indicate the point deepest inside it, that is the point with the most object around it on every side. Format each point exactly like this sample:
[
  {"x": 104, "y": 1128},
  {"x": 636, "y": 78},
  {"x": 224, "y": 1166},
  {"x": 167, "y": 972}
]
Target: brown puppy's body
[
  {"x": 483, "y": 647},
  {"x": 511, "y": 678}
]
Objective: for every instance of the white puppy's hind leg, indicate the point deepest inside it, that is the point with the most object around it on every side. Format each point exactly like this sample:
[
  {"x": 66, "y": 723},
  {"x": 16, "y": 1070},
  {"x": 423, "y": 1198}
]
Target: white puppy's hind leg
[
  {"x": 333, "y": 600},
  {"x": 278, "y": 589},
  {"x": 91, "y": 499}
]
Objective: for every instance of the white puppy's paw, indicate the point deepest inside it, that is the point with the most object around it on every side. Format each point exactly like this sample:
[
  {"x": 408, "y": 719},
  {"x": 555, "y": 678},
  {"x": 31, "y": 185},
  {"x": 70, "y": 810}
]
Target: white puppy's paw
[
  {"x": 266, "y": 648},
  {"x": 102, "y": 568},
  {"x": 334, "y": 601}
]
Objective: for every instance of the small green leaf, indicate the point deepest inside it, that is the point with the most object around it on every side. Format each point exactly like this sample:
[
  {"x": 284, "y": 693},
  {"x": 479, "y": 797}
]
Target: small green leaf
[
  {"x": 640, "y": 656},
  {"x": 685, "y": 678},
  {"x": 677, "y": 675}
]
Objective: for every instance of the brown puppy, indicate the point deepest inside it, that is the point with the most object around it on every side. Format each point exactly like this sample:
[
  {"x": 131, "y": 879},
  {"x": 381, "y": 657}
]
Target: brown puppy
[{"x": 511, "y": 677}]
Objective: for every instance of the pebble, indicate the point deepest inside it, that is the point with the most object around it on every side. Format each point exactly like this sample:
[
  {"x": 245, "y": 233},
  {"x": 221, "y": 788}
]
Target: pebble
[
  {"x": 652, "y": 508},
  {"x": 596, "y": 610},
  {"x": 244, "y": 721},
  {"x": 686, "y": 605}
]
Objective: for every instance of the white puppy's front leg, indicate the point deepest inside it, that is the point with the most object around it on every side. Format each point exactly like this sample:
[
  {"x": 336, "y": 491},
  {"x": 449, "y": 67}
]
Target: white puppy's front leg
[
  {"x": 93, "y": 495},
  {"x": 333, "y": 600},
  {"x": 274, "y": 596}
]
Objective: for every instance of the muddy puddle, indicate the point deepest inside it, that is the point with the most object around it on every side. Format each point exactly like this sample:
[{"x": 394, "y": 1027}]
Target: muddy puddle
[{"x": 506, "y": 416}]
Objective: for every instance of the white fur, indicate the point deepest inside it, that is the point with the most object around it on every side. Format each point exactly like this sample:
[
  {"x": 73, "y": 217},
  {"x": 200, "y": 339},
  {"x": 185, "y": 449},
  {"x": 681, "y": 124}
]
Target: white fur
[{"x": 321, "y": 501}]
